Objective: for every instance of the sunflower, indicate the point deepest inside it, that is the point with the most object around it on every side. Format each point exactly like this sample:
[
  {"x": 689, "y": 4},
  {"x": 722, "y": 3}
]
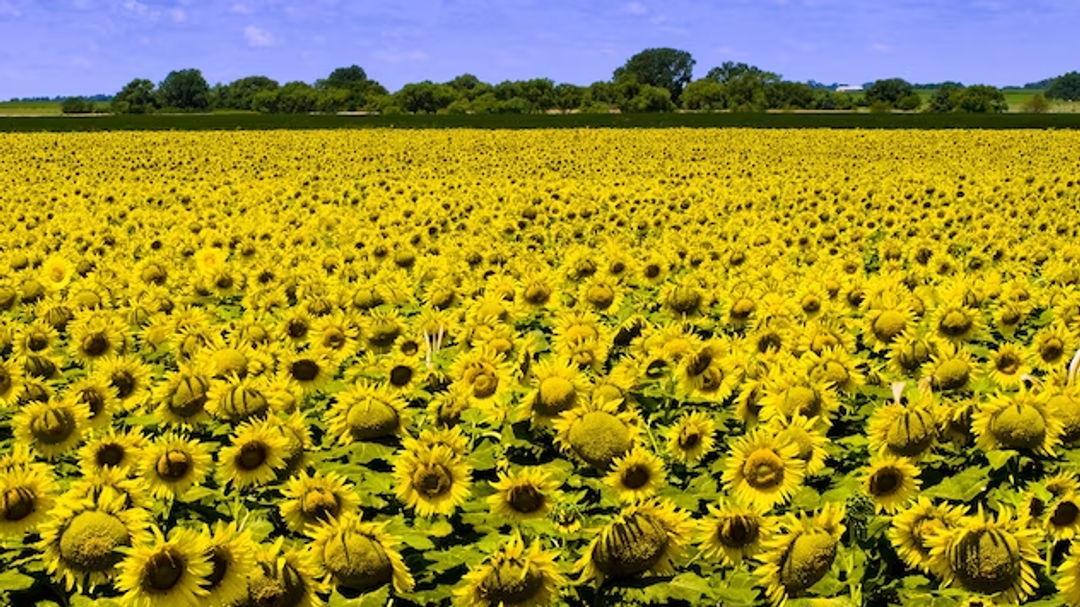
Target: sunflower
[
  {"x": 891, "y": 482},
  {"x": 166, "y": 572},
  {"x": 94, "y": 335},
  {"x": 644, "y": 538},
  {"x": 83, "y": 540},
  {"x": 787, "y": 395},
  {"x": 883, "y": 325},
  {"x": 432, "y": 481},
  {"x": 56, "y": 272},
  {"x": 907, "y": 430},
  {"x": 120, "y": 450},
  {"x": 835, "y": 367},
  {"x": 36, "y": 339},
  {"x": 909, "y": 353},
  {"x": 950, "y": 368},
  {"x": 1068, "y": 583},
  {"x": 1051, "y": 347},
  {"x": 513, "y": 576},
  {"x": 364, "y": 412},
  {"x": 987, "y": 556},
  {"x": 129, "y": 376},
  {"x": 557, "y": 387},
  {"x": 484, "y": 374},
  {"x": 801, "y": 432},
  {"x": 761, "y": 470},
  {"x": 358, "y": 556},
  {"x": 51, "y": 428},
  {"x": 690, "y": 438},
  {"x": 600, "y": 294},
  {"x": 231, "y": 553},
  {"x": 336, "y": 333},
  {"x": 636, "y": 475},
  {"x": 525, "y": 494},
  {"x": 313, "y": 499},
  {"x": 403, "y": 373},
  {"x": 798, "y": 556},
  {"x": 733, "y": 532},
  {"x": 112, "y": 481},
  {"x": 26, "y": 495},
  {"x": 309, "y": 370},
  {"x": 181, "y": 398},
  {"x": 172, "y": 464},
  {"x": 705, "y": 375},
  {"x": 253, "y": 457},
  {"x": 1064, "y": 405},
  {"x": 236, "y": 398},
  {"x": 597, "y": 433},
  {"x": 11, "y": 382},
  {"x": 912, "y": 529},
  {"x": 1008, "y": 365},
  {"x": 957, "y": 322},
  {"x": 283, "y": 577},
  {"x": 1018, "y": 421}
]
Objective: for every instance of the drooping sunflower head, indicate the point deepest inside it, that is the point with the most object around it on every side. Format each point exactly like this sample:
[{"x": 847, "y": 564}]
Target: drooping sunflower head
[
  {"x": 523, "y": 495},
  {"x": 557, "y": 387},
  {"x": 314, "y": 499},
  {"x": 1017, "y": 421},
  {"x": 513, "y": 576},
  {"x": 358, "y": 556},
  {"x": 367, "y": 411},
  {"x": 805, "y": 434},
  {"x": 283, "y": 577},
  {"x": 236, "y": 398},
  {"x": 957, "y": 322},
  {"x": 596, "y": 433},
  {"x": 950, "y": 368},
  {"x": 906, "y": 430},
  {"x": 987, "y": 556},
  {"x": 800, "y": 556},
  {"x": 913, "y": 528},
  {"x": 643, "y": 539},
  {"x": 181, "y": 398},
  {"x": 1064, "y": 405}
]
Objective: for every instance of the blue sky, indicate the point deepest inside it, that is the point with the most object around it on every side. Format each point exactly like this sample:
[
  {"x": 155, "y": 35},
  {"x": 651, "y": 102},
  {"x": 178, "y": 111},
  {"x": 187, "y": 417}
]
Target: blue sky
[{"x": 67, "y": 47}]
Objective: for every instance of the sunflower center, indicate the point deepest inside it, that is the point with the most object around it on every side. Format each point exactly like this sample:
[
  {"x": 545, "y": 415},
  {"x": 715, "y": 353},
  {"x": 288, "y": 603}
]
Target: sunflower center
[
  {"x": 219, "y": 559},
  {"x": 699, "y": 363},
  {"x": 124, "y": 382},
  {"x": 742, "y": 308},
  {"x": 910, "y": 433},
  {"x": 636, "y": 476},
  {"x": 319, "y": 504},
  {"x": 769, "y": 342},
  {"x": 17, "y": 503},
  {"x": 163, "y": 571},
  {"x": 986, "y": 561},
  {"x": 537, "y": 294},
  {"x": 834, "y": 372},
  {"x": 189, "y": 397},
  {"x": 599, "y": 437},
  {"x": 689, "y": 438},
  {"x": 1065, "y": 514},
  {"x": 1051, "y": 349},
  {"x": 888, "y": 325},
  {"x": 401, "y": 375},
  {"x": 1019, "y": 426},
  {"x": 37, "y": 342},
  {"x": 304, "y": 370},
  {"x": 631, "y": 546},
  {"x": 432, "y": 480},
  {"x": 91, "y": 540},
  {"x": 600, "y": 296},
  {"x": 92, "y": 399},
  {"x": 358, "y": 562},
  {"x": 763, "y": 469},
  {"x": 556, "y": 395},
  {"x": 95, "y": 344},
  {"x": 334, "y": 339},
  {"x": 525, "y": 499},
  {"x": 738, "y": 531},
  {"x": 296, "y": 328},
  {"x": 484, "y": 384},
  {"x": 5, "y": 381},
  {"x": 955, "y": 323},
  {"x": 252, "y": 455},
  {"x": 173, "y": 465},
  {"x": 685, "y": 300},
  {"x": 952, "y": 374},
  {"x": 802, "y": 400},
  {"x": 1008, "y": 363},
  {"x": 512, "y": 582},
  {"x": 372, "y": 420},
  {"x": 110, "y": 455},
  {"x": 53, "y": 426},
  {"x": 808, "y": 559},
  {"x": 886, "y": 482}
]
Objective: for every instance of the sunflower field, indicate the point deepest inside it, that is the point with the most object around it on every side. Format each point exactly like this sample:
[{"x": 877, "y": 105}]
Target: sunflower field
[{"x": 527, "y": 368}]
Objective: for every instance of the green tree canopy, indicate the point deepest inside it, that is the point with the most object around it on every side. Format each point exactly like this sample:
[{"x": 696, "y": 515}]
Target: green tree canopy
[
  {"x": 1066, "y": 86},
  {"x": 137, "y": 97},
  {"x": 729, "y": 70},
  {"x": 667, "y": 68},
  {"x": 184, "y": 89},
  {"x": 888, "y": 91}
]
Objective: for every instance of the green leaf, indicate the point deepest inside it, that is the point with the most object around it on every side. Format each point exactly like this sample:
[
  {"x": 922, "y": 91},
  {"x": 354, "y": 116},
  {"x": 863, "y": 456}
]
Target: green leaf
[
  {"x": 14, "y": 580},
  {"x": 999, "y": 457},
  {"x": 963, "y": 486}
]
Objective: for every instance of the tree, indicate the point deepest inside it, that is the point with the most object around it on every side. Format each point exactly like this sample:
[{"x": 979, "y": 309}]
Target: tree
[
  {"x": 359, "y": 89},
  {"x": 650, "y": 99},
  {"x": 184, "y": 89},
  {"x": 888, "y": 91},
  {"x": 746, "y": 92},
  {"x": 666, "y": 68},
  {"x": 137, "y": 97},
  {"x": 1066, "y": 87},
  {"x": 1037, "y": 104},
  {"x": 910, "y": 102},
  {"x": 704, "y": 94},
  {"x": 424, "y": 97},
  {"x": 568, "y": 96},
  {"x": 469, "y": 86},
  {"x": 729, "y": 70},
  {"x": 240, "y": 94},
  {"x": 944, "y": 98},
  {"x": 77, "y": 105},
  {"x": 982, "y": 98},
  {"x": 789, "y": 95}
]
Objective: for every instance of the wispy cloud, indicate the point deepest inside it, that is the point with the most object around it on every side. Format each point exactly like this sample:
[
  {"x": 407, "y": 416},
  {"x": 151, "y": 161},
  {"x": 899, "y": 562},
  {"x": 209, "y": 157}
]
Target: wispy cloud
[{"x": 257, "y": 37}]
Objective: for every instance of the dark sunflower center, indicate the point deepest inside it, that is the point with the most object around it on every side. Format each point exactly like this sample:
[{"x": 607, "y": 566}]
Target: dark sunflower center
[
  {"x": 37, "y": 343},
  {"x": 636, "y": 477},
  {"x": 173, "y": 465},
  {"x": 1065, "y": 514},
  {"x": 955, "y": 323},
  {"x": 432, "y": 480},
  {"x": 513, "y": 582},
  {"x": 763, "y": 469},
  {"x": 296, "y": 328},
  {"x": 885, "y": 482},
  {"x": 219, "y": 559},
  {"x": 252, "y": 455},
  {"x": 1008, "y": 363},
  {"x": 163, "y": 570},
  {"x": 94, "y": 400},
  {"x": 17, "y": 503},
  {"x": 699, "y": 363},
  {"x": 1051, "y": 349},
  {"x": 304, "y": 370},
  {"x": 984, "y": 562},
  {"x": 95, "y": 344},
  {"x": 319, "y": 504},
  {"x": 110, "y": 455},
  {"x": 738, "y": 531},
  {"x": 401, "y": 375},
  {"x": 525, "y": 499},
  {"x": 689, "y": 438},
  {"x": 124, "y": 382}
]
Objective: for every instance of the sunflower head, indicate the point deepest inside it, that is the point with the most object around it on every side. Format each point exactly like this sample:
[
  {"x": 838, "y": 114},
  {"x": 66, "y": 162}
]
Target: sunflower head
[
  {"x": 642, "y": 539},
  {"x": 358, "y": 556},
  {"x": 597, "y": 433},
  {"x": 513, "y": 576}
]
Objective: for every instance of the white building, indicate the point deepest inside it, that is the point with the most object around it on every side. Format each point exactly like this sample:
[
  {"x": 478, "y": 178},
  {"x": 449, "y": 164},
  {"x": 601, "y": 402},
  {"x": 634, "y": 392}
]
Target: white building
[{"x": 849, "y": 88}]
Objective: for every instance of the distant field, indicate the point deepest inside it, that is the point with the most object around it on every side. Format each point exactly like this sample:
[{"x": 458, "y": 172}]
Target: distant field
[
  {"x": 527, "y": 121},
  {"x": 29, "y": 108}
]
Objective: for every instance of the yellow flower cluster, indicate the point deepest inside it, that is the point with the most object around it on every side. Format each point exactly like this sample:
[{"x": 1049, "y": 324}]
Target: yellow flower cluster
[{"x": 524, "y": 367}]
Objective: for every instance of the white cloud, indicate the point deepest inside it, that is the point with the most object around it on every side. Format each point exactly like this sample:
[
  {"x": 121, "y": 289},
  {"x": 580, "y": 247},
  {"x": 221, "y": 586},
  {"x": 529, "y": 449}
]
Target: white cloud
[
  {"x": 239, "y": 8},
  {"x": 258, "y": 37},
  {"x": 635, "y": 8}
]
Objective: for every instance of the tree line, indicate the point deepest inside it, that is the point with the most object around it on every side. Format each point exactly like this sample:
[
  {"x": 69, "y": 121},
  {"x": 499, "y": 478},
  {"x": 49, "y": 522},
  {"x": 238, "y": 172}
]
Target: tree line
[{"x": 653, "y": 80}]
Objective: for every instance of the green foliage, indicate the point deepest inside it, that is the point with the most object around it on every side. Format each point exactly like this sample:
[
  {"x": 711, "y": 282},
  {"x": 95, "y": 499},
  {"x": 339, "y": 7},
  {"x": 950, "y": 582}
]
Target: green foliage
[
  {"x": 137, "y": 97},
  {"x": 888, "y": 91},
  {"x": 184, "y": 89},
  {"x": 978, "y": 98},
  {"x": 77, "y": 105},
  {"x": 666, "y": 68},
  {"x": 240, "y": 94},
  {"x": 1065, "y": 87},
  {"x": 704, "y": 94},
  {"x": 1037, "y": 104}
]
